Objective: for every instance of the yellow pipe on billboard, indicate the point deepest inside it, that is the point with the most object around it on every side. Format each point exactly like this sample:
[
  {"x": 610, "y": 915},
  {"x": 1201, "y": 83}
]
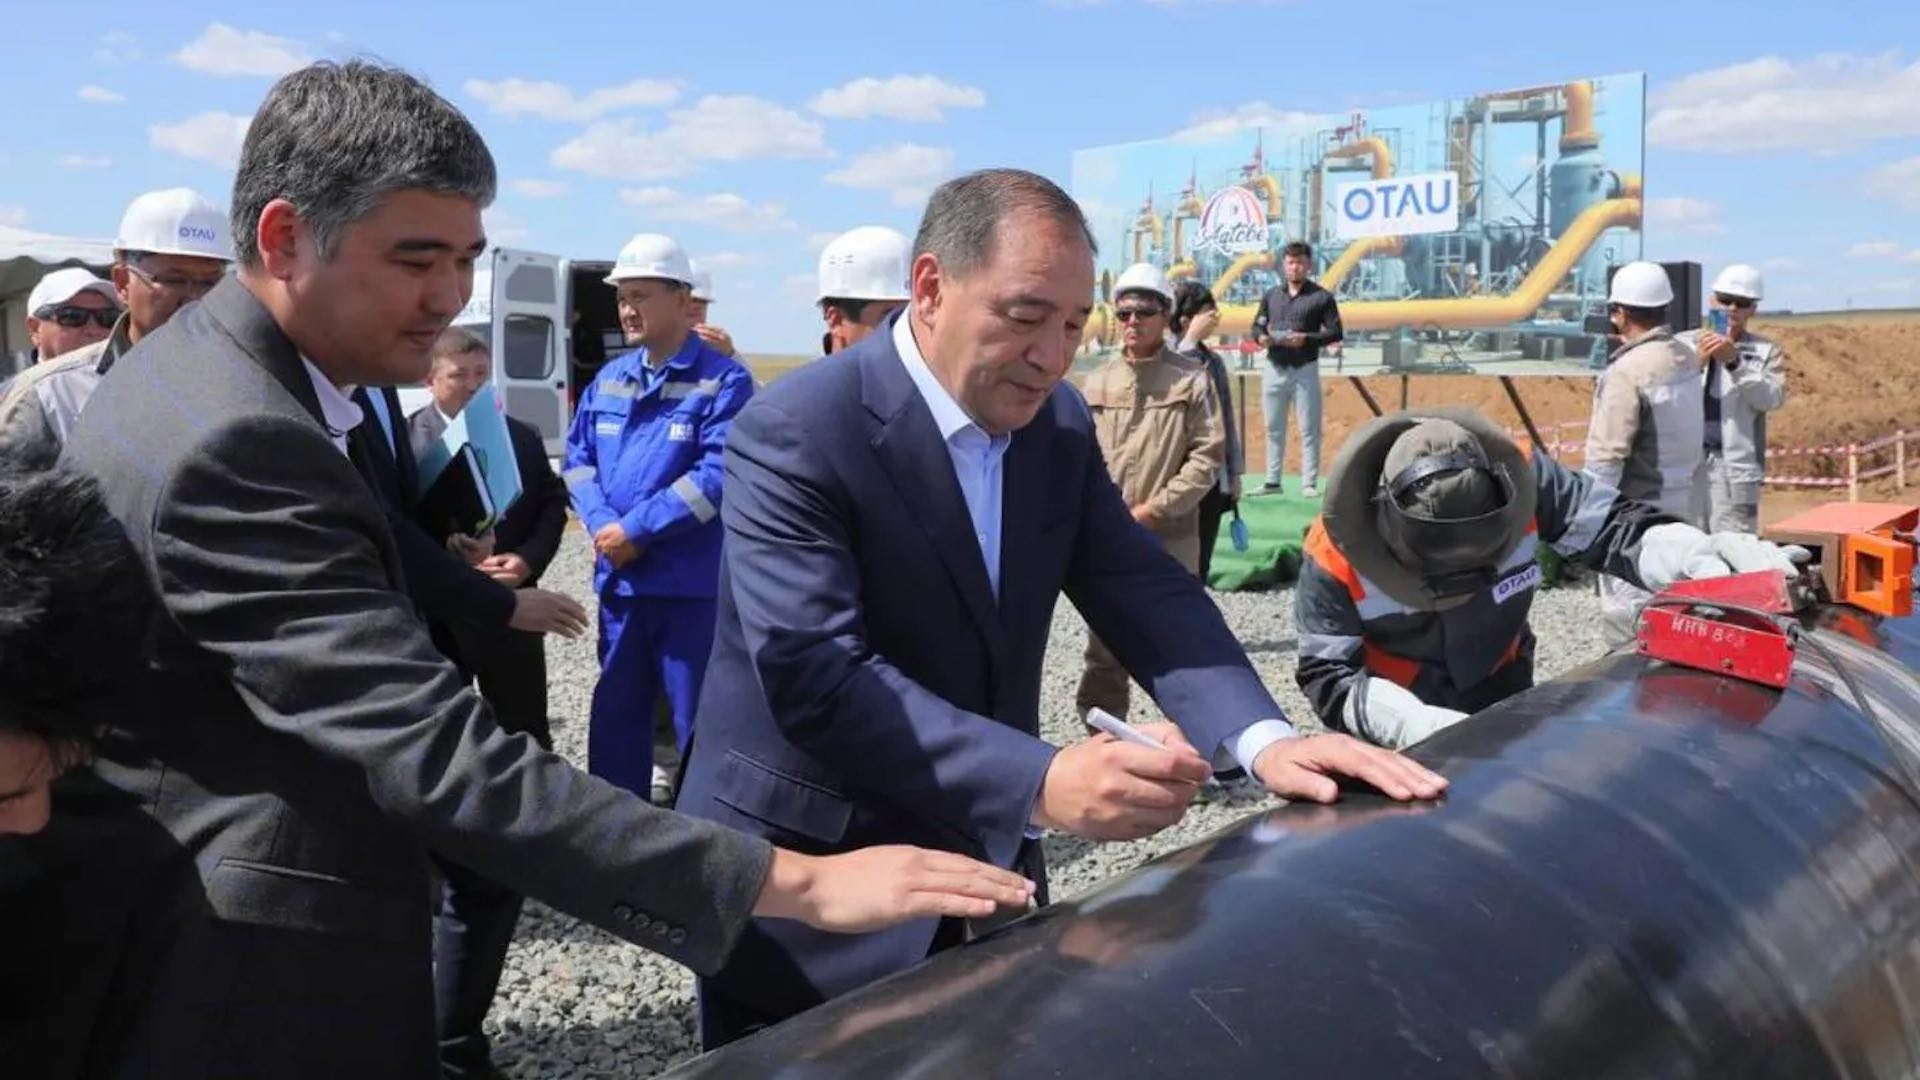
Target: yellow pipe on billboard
[
  {"x": 1363, "y": 248},
  {"x": 1186, "y": 211},
  {"x": 1473, "y": 312},
  {"x": 1184, "y": 269},
  {"x": 1578, "y": 133},
  {"x": 1372, "y": 144},
  {"x": 1262, "y": 260},
  {"x": 1276, "y": 202},
  {"x": 1148, "y": 220},
  {"x": 1099, "y": 328}
]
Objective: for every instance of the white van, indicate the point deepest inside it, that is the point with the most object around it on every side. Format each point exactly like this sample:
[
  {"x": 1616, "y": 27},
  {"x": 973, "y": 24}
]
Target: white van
[{"x": 551, "y": 323}]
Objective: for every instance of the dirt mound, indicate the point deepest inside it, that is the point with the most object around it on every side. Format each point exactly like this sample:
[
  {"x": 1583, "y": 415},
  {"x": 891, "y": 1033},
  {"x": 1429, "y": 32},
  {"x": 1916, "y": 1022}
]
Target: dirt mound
[{"x": 1848, "y": 380}]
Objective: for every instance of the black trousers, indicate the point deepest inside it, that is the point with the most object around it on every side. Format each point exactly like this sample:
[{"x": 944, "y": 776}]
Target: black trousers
[
  {"x": 1213, "y": 506},
  {"x": 476, "y": 920}
]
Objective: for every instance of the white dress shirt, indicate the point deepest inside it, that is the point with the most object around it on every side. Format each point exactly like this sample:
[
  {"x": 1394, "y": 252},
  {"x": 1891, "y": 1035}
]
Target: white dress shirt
[{"x": 337, "y": 410}]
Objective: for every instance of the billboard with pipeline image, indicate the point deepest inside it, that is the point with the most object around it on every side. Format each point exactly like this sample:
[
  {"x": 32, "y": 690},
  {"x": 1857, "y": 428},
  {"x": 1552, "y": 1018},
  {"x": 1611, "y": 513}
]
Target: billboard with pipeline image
[{"x": 1471, "y": 235}]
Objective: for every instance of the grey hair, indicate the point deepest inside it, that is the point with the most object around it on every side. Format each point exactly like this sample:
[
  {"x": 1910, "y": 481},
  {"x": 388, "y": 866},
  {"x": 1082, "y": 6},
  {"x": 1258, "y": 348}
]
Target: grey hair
[
  {"x": 335, "y": 139},
  {"x": 963, "y": 216}
]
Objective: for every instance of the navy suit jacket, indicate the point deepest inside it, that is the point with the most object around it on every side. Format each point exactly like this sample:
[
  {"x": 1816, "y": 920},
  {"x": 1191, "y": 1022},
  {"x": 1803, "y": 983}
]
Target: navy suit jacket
[{"x": 865, "y": 686}]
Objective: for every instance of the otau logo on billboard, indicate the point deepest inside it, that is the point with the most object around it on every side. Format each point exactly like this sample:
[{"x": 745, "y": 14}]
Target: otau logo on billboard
[{"x": 1232, "y": 223}]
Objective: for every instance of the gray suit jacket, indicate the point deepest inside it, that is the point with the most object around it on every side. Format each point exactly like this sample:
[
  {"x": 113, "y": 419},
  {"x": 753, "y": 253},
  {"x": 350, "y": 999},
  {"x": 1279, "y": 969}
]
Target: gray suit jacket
[{"x": 307, "y": 745}]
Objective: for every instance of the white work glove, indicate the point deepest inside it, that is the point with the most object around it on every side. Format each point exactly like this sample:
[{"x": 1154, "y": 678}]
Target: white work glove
[
  {"x": 1387, "y": 714},
  {"x": 1679, "y": 552}
]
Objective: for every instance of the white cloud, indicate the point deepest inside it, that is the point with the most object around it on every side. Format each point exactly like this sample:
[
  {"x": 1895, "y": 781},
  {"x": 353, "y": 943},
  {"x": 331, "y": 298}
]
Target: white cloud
[
  {"x": 222, "y": 50},
  {"x": 816, "y": 242},
  {"x": 1696, "y": 217},
  {"x": 82, "y": 161},
  {"x": 1885, "y": 249},
  {"x": 727, "y": 260},
  {"x": 552, "y": 101},
  {"x": 1874, "y": 249},
  {"x": 100, "y": 95},
  {"x": 1213, "y": 124},
  {"x": 1896, "y": 285},
  {"x": 503, "y": 229},
  {"x": 921, "y": 98},
  {"x": 1832, "y": 102},
  {"x": 803, "y": 288},
  {"x": 905, "y": 170},
  {"x": 540, "y": 189},
  {"x": 11, "y": 214},
  {"x": 724, "y": 210},
  {"x": 209, "y": 136},
  {"x": 1898, "y": 182},
  {"x": 1782, "y": 262},
  {"x": 116, "y": 49},
  {"x": 719, "y": 127}
]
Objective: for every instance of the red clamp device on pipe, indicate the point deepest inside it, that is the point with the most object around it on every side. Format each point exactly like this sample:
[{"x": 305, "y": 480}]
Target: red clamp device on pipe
[{"x": 1740, "y": 625}]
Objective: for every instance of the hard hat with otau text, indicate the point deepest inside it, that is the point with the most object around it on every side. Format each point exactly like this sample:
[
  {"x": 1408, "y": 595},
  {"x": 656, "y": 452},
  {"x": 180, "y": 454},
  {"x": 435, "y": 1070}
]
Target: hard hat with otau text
[
  {"x": 867, "y": 263},
  {"x": 175, "y": 221},
  {"x": 651, "y": 255},
  {"x": 1641, "y": 285},
  {"x": 1143, "y": 277},
  {"x": 1740, "y": 280}
]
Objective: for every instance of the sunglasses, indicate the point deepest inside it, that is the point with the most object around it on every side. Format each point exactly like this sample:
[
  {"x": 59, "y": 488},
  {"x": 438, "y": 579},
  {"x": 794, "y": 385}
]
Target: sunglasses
[
  {"x": 73, "y": 316},
  {"x": 1129, "y": 314},
  {"x": 1732, "y": 301}
]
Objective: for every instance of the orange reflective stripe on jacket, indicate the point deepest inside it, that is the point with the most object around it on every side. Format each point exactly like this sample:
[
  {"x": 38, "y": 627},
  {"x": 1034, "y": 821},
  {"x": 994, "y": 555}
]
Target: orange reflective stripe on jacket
[{"x": 1320, "y": 548}]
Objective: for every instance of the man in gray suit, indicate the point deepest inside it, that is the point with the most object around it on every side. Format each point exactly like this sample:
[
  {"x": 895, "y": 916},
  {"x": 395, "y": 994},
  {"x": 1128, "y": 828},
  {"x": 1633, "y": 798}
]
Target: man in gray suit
[{"x": 304, "y": 743}]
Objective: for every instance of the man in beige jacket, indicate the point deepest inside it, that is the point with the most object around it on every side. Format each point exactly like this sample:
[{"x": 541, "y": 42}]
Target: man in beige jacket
[
  {"x": 1645, "y": 436},
  {"x": 1153, "y": 417}
]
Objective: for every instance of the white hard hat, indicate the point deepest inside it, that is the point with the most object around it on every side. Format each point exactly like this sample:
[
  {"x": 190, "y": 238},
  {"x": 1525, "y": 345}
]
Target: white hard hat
[
  {"x": 867, "y": 263},
  {"x": 1740, "y": 280},
  {"x": 1641, "y": 285},
  {"x": 63, "y": 285},
  {"x": 702, "y": 283},
  {"x": 176, "y": 221},
  {"x": 650, "y": 255},
  {"x": 1143, "y": 277}
]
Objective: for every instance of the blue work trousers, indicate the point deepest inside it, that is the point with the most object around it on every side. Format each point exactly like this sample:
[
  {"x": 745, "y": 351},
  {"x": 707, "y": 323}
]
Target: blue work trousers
[{"x": 648, "y": 645}]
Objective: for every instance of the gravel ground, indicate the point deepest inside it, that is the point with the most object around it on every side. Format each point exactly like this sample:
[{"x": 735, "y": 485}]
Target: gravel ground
[{"x": 577, "y": 1002}]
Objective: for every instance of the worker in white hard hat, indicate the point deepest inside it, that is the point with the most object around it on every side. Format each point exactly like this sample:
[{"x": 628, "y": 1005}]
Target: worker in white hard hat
[
  {"x": 67, "y": 310},
  {"x": 863, "y": 281},
  {"x": 1418, "y": 576},
  {"x": 1153, "y": 419},
  {"x": 172, "y": 249},
  {"x": 1645, "y": 433},
  {"x": 699, "y": 300},
  {"x": 643, "y": 467},
  {"x": 1745, "y": 378}
]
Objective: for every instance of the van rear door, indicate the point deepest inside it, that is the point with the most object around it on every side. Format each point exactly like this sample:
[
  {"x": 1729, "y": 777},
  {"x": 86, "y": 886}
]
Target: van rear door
[{"x": 528, "y": 332}]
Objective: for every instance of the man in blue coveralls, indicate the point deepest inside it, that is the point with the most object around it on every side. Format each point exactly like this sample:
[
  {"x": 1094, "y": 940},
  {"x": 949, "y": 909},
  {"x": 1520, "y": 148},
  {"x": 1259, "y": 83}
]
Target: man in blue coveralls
[{"x": 643, "y": 468}]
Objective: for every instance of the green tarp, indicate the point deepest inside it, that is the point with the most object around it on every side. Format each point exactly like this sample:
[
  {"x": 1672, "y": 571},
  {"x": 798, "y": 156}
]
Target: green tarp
[
  {"x": 1276, "y": 530},
  {"x": 1276, "y": 527}
]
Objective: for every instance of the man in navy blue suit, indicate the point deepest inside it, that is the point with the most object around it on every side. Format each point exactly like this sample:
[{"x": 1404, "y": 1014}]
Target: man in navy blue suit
[{"x": 900, "y": 521}]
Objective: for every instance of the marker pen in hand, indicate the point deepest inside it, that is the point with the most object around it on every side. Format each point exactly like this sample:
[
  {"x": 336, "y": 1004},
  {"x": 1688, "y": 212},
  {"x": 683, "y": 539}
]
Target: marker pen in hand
[{"x": 1120, "y": 729}]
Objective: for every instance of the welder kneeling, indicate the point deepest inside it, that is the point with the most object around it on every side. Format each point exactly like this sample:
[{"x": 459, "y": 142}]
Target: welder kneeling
[{"x": 1419, "y": 574}]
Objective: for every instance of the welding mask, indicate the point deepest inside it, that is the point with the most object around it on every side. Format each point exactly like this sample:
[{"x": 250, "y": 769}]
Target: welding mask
[
  {"x": 1441, "y": 509},
  {"x": 1426, "y": 505}
]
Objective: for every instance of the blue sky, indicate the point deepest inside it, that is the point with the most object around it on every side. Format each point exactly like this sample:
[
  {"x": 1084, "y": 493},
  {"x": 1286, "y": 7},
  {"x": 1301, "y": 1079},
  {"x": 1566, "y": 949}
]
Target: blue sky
[{"x": 1776, "y": 134}]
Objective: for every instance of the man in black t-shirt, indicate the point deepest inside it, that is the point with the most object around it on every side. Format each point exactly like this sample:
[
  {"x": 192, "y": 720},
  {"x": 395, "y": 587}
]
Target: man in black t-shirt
[{"x": 1296, "y": 318}]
